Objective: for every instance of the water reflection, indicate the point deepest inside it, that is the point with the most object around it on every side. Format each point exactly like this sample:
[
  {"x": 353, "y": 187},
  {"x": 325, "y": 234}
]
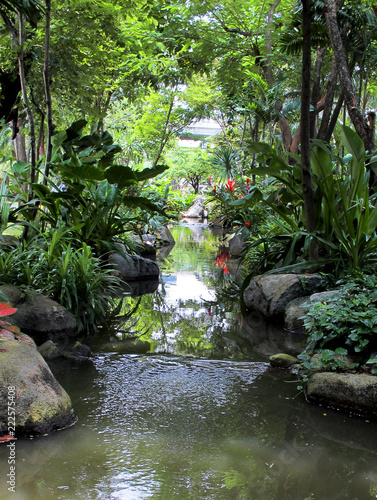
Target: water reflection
[
  {"x": 172, "y": 426},
  {"x": 166, "y": 427},
  {"x": 191, "y": 312}
]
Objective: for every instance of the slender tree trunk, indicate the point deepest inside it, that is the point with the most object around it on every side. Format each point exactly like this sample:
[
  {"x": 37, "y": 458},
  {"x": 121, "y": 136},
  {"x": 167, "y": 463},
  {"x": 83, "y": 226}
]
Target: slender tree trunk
[
  {"x": 330, "y": 94},
  {"x": 19, "y": 140},
  {"x": 316, "y": 89},
  {"x": 307, "y": 187},
  {"x": 269, "y": 73},
  {"x": 165, "y": 135},
  {"x": 27, "y": 107},
  {"x": 46, "y": 80}
]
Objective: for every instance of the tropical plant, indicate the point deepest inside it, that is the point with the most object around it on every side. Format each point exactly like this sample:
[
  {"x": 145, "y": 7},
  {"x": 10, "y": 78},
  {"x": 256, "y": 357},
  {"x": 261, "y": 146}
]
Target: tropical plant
[
  {"x": 86, "y": 191},
  {"x": 225, "y": 161},
  {"x": 75, "y": 278},
  {"x": 7, "y": 329},
  {"x": 346, "y": 215}
]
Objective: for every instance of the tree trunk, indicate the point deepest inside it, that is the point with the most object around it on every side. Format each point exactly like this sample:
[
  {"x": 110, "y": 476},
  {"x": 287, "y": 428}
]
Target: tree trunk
[
  {"x": 363, "y": 129},
  {"x": 27, "y": 107},
  {"x": 307, "y": 188},
  {"x": 165, "y": 136},
  {"x": 46, "y": 80},
  {"x": 316, "y": 89}
]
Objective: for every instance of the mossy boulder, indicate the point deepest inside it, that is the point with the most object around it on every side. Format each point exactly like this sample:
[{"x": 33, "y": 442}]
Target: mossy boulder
[
  {"x": 356, "y": 393},
  {"x": 39, "y": 316},
  {"x": 282, "y": 360},
  {"x": 41, "y": 405}
]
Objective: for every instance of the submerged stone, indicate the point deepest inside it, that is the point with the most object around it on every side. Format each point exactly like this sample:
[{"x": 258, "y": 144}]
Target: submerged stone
[
  {"x": 282, "y": 360},
  {"x": 127, "y": 346}
]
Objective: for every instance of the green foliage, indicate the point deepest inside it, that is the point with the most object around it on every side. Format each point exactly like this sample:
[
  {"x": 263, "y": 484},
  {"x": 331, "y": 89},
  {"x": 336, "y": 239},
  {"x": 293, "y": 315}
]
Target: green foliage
[
  {"x": 346, "y": 215},
  {"x": 345, "y": 324},
  {"x": 225, "y": 161},
  {"x": 88, "y": 191},
  {"x": 75, "y": 278}
]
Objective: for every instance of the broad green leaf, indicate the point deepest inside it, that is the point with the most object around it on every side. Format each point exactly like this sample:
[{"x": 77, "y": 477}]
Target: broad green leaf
[
  {"x": 121, "y": 175},
  {"x": 353, "y": 143},
  {"x": 81, "y": 172},
  {"x": 149, "y": 173}
]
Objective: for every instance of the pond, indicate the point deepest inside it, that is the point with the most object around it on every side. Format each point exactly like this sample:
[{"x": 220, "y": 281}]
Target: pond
[{"x": 202, "y": 416}]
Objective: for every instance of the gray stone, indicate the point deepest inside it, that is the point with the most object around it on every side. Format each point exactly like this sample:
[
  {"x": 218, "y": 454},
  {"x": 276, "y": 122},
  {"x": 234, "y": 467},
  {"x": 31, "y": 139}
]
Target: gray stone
[
  {"x": 295, "y": 310},
  {"x": 133, "y": 267},
  {"x": 38, "y": 315},
  {"x": 164, "y": 237},
  {"x": 270, "y": 294},
  {"x": 236, "y": 245},
  {"x": 354, "y": 392},
  {"x": 41, "y": 404},
  {"x": 146, "y": 245},
  {"x": 77, "y": 352},
  {"x": 197, "y": 210},
  {"x": 49, "y": 350}
]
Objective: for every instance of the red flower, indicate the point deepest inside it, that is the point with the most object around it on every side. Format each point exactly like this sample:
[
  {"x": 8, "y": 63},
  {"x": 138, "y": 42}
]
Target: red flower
[
  {"x": 247, "y": 224},
  {"x": 230, "y": 185},
  {"x": 247, "y": 181}
]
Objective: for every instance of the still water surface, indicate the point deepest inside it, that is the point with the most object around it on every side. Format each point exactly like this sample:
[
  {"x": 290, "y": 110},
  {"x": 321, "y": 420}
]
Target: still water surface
[{"x": 201, "y": 417}]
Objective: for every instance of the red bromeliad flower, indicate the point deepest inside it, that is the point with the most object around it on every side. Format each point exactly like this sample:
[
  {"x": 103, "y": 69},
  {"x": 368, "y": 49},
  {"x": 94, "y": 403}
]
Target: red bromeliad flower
[
  {"x": 6, "y": 309},
  {"x": 247, "y": 224},
  {"x": 6, "y": 329},
  {"x": 230, "y": 185}
]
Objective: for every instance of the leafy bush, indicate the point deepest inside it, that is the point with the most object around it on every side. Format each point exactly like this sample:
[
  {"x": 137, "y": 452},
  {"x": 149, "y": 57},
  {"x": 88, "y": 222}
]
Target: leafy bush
[
  {"x": 346, "y": 212},
  {"x": 224, "y": 201},
  {"x": 76, "y": 279},
  {"x": 346, "y": 324}
]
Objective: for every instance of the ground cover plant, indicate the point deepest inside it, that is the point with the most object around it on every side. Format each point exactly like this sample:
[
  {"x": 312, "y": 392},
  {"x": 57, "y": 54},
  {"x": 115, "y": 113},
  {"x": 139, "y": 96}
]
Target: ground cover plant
[{"x": 344, "y": 326}]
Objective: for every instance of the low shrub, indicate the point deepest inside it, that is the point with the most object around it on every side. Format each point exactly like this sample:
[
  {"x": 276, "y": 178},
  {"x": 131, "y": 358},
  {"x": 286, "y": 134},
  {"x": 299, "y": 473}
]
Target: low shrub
[{"x": 344, "y": 325}]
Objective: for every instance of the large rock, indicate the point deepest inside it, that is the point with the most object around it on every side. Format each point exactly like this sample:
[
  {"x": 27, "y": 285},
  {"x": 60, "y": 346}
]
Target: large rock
[
  {"x": 197, "y": 210},
  {"x": 296, "y": 310},
  {"x": 41, "y": 405},
  {"x": 134, "y": 267},
  {"x": 39, "y": 316},
  {"x": 354, "y": 392},
  {"x": 236, "y": 245},
  {"x": 271, "y": 294},
  {"x": 146, "y": 245},
  {"x": 164, "y": 237}
]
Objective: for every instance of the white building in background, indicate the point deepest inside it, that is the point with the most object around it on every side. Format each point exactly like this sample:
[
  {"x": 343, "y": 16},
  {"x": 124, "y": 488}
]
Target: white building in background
[{"x": 201, "y": 129}]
